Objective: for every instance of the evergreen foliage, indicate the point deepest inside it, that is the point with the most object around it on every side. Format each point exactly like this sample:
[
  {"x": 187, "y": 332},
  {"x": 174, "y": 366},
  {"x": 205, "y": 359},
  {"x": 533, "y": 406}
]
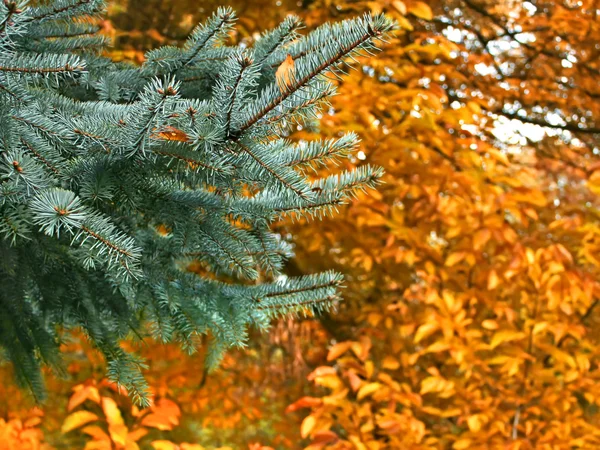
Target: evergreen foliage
[{"x": 114, "y": 177}]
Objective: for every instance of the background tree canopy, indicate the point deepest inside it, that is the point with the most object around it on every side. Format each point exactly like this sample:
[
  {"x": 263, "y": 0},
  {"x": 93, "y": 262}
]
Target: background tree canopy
[{"x": 469, "y": 314}]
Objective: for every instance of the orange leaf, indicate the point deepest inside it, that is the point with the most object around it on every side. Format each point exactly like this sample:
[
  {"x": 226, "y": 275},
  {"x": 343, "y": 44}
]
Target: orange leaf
[
  {"x": 304, "y": 402},
  {"x": 136, "y": 435},
  {"x": 158, "y": 421},
  {"x": 164, "y": 415},
  {"x": 171, "y": 134},
  {"x": 98, "y": 445},
  {"x": 355, "y": 381},
  {"x": 131, "y": 445},
  {"x": 96, "y": 432},
  {"x": 285, "y": 75},
  {"x": 324, "y": 437},
  {"x": 32, "y": 422},
  {"x": 338, "y": 349},
  {"x": 361, "y": 349},
  {"x": 83, "y": 394},
  {"x": 480, "y": 238},
  {"x": 320, "y": 372}
]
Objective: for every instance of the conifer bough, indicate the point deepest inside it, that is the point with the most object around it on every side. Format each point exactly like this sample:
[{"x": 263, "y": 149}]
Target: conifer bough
[{"x": 114, "y": 177}]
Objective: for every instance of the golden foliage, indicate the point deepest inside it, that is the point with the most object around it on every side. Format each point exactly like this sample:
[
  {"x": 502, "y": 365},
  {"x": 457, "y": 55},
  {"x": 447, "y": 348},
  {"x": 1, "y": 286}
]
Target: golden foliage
[{"x": 472, "y": 270}]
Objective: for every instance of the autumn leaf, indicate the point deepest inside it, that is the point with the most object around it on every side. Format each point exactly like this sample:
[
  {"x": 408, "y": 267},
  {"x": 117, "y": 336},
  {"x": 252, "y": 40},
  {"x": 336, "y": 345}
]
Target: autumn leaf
[
  {"x": 307, "y": 426},
  {"x": 490, "y": 324},
  {"x": 164, "y": 415},
  {"x": 96, "y": 432},
  {"x": 164, "y": 445},
  {"x": 425, "y": 330},
  {"x": 493, "y": 280},
  {"x": 81, "y": 394},
  {"x": 338, "y": 349},
  {"x": 462, "y": 444},
  {"x": 170, "y": 133},
  {"x": 480, "y": 238},
  {"x": 78, "y": 419},
  {"x": 503, "y": 336},
  {"x": 111, "y": 411},
  {"x": 367, "y": 390},
  {"x": 420, "y": 10},
  {"x": 286, "y": 74},
  {"x": 400, "y": 6},
  {"x": 455, "y": 258},
  {"x": 304, "y": 402}
]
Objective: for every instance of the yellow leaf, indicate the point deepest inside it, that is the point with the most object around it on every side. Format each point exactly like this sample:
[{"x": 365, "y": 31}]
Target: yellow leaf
[
  {"x": 425, "y": 330},
  {"x": 400, "y": 6},
  {"x": 462, "y": 444},
  {"x": 431, "y": 384},
  {"x": 489, "y": 324},
  {"x": 498, "y": 156},
  {"x": 118, "y": 433},
  {"x": 390, "y": 363},
  {"x": 164, "y": 445},
  {"x": 406, "y": 25},
  {"x": 338, "y": 349},
  {"x": 307, "y": 426},
  {"x": 111, "y": 411},
  {"x": 474, "y": 423},
  {"x": 493, "y": 280},
  {"x": 367, "y": 389},
  {"x": 421, "y": 10},
  {"x": 285, "y": 75},
  {"x": 77, "y": 419},
  {"x": 356, "y": 441},
  {"x": 438, "y": 346},
  {"x": 505, "y": 336},
  {"x": 451, "y": 304},
  {"x": 539, "y": 327}
]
